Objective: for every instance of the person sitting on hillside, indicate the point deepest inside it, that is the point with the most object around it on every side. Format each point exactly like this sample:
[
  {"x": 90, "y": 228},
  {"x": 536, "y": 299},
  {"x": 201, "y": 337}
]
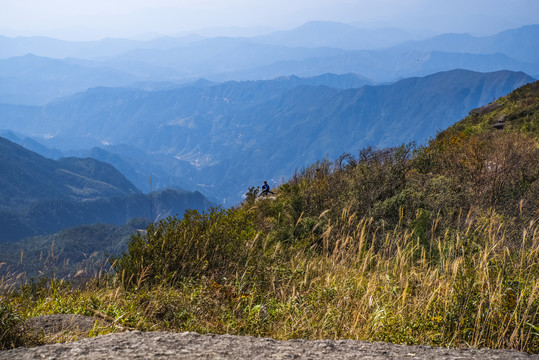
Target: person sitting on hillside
[{"x": 266, "y": 189}]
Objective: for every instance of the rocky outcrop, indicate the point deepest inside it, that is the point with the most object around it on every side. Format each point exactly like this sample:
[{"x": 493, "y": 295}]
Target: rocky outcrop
[
  {"x": 166, "y": 345},
  {"x": 485, "y": 109}
]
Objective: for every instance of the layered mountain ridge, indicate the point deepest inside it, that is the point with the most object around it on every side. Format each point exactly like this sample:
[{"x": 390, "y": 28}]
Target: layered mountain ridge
[
  {"x": 245, "y": 132},
  {"x": 310, "y": 50},
  {"x": 42, "y": 196}
]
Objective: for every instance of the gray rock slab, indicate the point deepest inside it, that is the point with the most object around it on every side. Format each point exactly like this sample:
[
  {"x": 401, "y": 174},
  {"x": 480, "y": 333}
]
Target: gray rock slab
[{"x": 166, "y": 345}]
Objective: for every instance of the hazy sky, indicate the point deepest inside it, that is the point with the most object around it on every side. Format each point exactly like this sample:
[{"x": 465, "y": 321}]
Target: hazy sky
[{"x": 92, "y": 19}]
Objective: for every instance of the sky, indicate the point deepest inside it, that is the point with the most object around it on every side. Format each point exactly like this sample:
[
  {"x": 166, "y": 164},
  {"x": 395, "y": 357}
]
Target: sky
[{"x": 95, "y": 19}]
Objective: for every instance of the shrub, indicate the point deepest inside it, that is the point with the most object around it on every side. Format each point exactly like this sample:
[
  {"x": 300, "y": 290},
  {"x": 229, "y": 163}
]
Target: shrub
[{"x": 210, "y": 244}]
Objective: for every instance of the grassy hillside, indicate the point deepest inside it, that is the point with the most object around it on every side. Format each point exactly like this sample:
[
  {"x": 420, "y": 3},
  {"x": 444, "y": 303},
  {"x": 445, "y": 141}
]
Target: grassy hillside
[{"x": 430, "y": 245}]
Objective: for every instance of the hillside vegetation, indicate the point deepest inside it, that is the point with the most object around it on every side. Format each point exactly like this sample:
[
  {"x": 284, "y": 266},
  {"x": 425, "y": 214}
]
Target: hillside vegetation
[{"x": 430, "y": 245}]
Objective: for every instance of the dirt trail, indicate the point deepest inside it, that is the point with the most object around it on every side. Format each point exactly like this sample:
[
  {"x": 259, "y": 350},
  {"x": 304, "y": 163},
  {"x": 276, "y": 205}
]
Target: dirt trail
[{"x": 166, "y": 345}]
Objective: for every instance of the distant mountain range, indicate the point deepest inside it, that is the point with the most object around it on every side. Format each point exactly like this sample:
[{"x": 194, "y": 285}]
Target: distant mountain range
[
  {"x": 61, "y": 49},
  {"x": 31, "y": 79},
  {"x": 313, "y": 34},
  {"x": 42, "y": 196},
  {"x": 520, "y": 44},
  {"x": 223, "y": 138},
  {"x": 311, "y": 50},
  {"x": 329, "y": 34}
]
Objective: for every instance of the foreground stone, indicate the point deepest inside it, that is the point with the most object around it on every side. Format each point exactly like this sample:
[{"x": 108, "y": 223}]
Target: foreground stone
[{"x": 166, "y": 345}]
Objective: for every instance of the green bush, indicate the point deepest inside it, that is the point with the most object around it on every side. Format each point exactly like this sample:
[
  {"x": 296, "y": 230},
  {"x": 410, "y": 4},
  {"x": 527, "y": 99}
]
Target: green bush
[{"x": 210, "y": 244}]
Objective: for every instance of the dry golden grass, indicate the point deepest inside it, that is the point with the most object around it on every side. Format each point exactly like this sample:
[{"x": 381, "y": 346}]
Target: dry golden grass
[{"x": 470, "y": 288}]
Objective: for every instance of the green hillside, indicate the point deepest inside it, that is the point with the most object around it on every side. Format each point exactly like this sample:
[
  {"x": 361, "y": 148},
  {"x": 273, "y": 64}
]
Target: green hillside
[
  {"x": 43, "y": 196},
  {"x": 433, "y": 245},
  {"x": 27, "y": 177}
]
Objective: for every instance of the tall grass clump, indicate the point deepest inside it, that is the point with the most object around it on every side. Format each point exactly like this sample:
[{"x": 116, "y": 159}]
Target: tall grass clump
[
  {"x": 10, "y": 326},
  {"x": 11, "y": 322}
]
